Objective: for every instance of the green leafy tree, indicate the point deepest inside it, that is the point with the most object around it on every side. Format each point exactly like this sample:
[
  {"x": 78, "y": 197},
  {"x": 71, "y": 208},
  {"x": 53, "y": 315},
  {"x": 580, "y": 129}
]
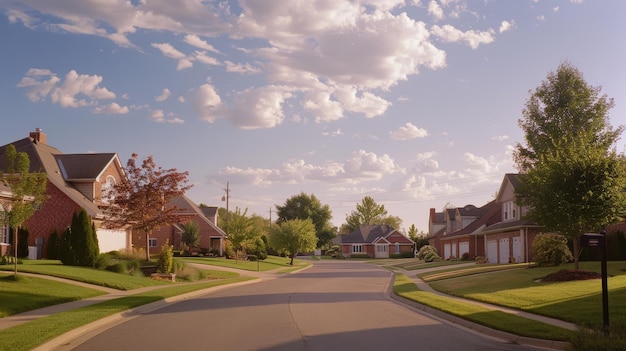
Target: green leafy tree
[
  {"x": 141, "y": 200},
  {"x": 191, "y": 234},
  {"x": 54, "y": 242},
  {"x": 368, "y": 212},
  {"x": 243, "y": 232},
  {"x": 28, "y": 191},
  {"x": 572, "y": 179},
  {"x": 428, "y": 253},
  {"x": 294, "y": 236},
  {"x": 303, "y": 206}
]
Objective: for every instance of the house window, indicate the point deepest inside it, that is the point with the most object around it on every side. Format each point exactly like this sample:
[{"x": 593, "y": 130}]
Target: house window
[
  {"x": 509, "y": 210},
  {"x": 357, "y": 248},
  {"x": 381, "y": 248},
  {"x": 397, "y": 247},
  {"x": 4, "y": 234},
  {"x": 152, "y": 242}
]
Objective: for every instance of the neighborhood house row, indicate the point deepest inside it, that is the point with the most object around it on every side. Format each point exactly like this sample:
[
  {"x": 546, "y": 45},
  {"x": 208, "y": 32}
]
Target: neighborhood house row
[{"x": 497, "y": 232}]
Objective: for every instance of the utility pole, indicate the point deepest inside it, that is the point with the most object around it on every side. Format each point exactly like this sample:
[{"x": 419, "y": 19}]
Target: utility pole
[{"x": 226, "y": 198}]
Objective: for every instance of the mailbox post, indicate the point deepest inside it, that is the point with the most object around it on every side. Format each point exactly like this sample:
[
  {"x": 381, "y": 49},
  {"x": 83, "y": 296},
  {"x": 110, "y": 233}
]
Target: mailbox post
[{"x": 599, "y": 240}]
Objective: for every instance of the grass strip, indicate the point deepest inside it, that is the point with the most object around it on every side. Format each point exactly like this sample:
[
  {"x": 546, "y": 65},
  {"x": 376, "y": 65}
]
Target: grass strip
[
  {"x": 470, "y": 270},
  {"x": 29, "y": 293},
  {"x": 86, "y": 275},
  {"x": 270, "y": 263},
  {"x": 494, "y": 319},
  {"x": 32, "y": 334}
]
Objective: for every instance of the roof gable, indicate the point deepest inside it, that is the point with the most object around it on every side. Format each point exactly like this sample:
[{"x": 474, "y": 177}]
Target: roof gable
[{"x": 83, "y": 166}]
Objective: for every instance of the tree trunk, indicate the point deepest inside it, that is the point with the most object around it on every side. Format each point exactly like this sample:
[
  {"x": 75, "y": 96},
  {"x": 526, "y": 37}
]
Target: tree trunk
[
  {"x": 15, "y": 230},
  {"x": 291, "y": 256},
  {"x": 577, "y": 251},
  {"x": 147, "y": 245}
]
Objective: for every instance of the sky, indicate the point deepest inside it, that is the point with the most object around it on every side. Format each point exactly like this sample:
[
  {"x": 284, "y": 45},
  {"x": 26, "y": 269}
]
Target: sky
[{"x": 414, "y": 103}]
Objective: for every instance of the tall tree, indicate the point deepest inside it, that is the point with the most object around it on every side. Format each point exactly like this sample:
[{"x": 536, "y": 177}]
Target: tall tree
[
  {"x": 294, "y": 236},
  {"x": 81, "y": 241},
  {"x": 368, "y": 212},
  {"x": 28, "y": 191},
  {"x": 243, "y": 233},
  {"x": 303, "y": 206},
  {"x": 141, "y": 200},
  {"x": 572, "y": 177}
]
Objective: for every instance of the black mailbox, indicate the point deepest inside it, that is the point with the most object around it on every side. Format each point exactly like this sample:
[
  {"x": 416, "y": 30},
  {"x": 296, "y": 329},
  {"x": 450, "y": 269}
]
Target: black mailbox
[{"x": 592, "y": 240}]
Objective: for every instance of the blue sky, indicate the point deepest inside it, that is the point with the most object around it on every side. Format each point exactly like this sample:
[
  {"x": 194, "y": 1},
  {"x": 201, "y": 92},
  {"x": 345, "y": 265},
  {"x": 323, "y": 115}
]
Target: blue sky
[{"x": 414, "y": 103}]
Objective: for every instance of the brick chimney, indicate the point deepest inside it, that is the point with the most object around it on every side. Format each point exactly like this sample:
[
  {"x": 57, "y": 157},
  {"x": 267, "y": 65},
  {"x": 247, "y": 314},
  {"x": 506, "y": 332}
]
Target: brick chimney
[
  {"x": 432, "y": 215},
  {"x": 38, "y": 136}
]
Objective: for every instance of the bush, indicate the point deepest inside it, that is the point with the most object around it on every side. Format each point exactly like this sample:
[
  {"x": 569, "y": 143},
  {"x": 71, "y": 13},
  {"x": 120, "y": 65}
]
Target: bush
[
  {"x": 118, "y": 267},
  {"x": 103, "y": 261},
  {"x": 165, "y": 260},
  {"x": 359, "y": 256},
  {"x": 465, "y": 256},
  {"x": 428, "y": 253},
  {"x": 22, "y": 243},
  {"x": 594, "y": 339},
  {"x": 551, "y": 250},
  {"x": 54, "y": 242},
  {"x": 402, "y": 255}
]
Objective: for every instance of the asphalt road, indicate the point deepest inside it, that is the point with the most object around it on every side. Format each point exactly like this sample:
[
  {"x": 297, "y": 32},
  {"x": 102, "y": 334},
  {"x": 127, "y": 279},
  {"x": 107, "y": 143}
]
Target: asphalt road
[{"x": 334, "y": 305}]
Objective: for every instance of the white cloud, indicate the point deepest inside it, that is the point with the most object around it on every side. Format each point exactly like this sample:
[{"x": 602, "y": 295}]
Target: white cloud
[
  {"x": 195, "y": 40},
  {"x": 111, "y": 109},
  {"x": 500, "y": 137},
  {"x": 367, "y": 165},
  {"x": 75, "y": 91},
  {"x": 168, "y": 50},
  {"x": 258, "y": 108},
  {"x": 203, "y": 57},
  {"x": 408, "y": 131},
  {"x": 241, "y": 68},
  {"x": 435, "y": 10},
  {"x": 164, "y": 95},
  {"x": 206, "y": 102},
  {"x": 159, "y": 117},
  {"x": 473, "y": 38},
  {"x": 337, "y": 132},
  {"x": 506, "y": 26}
]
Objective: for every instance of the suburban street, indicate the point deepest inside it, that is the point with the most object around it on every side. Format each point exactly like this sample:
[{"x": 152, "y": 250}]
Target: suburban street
[{"x": 333, "y": 305}]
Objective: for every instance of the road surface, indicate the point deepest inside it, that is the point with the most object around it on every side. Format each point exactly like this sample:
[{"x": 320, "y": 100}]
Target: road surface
[{"x": 333, "y": 305}]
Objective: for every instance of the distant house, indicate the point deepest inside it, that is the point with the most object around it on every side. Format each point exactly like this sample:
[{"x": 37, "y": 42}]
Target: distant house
[
  {"x": 211, "y": 236},
  {"x": 511, "y": 239},
  {"x": 497, "y": 231},
  {"x": 469, "y": 240},
  {"x": 74, "y": 181},
  {"x": 449, "y": 230},
  {"x": 376, "y": 241}
]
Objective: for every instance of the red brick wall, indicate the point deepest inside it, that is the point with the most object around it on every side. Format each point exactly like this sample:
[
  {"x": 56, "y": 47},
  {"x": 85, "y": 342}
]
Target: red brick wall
[{"x": 55, "y": 213}]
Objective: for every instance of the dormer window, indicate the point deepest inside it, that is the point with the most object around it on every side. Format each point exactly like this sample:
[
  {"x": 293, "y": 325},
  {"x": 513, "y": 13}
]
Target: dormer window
[
  {"x": 107, "y": 186},
  {"x": 509, "y": 211}
]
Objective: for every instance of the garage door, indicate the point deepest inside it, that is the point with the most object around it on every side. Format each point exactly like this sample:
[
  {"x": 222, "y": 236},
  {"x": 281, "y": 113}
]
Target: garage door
[
  {"x": 517, "y": 249},
  {"x": 492, "y": 251},
  {"x": 446, "y": 251},
  {"x": 463, "y": 248},
  {"x": 505, "y": 253}
]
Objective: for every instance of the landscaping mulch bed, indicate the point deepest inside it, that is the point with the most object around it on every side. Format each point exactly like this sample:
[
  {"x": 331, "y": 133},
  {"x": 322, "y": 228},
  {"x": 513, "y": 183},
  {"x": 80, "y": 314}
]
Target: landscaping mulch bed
[{"x": 566, "y": 275}]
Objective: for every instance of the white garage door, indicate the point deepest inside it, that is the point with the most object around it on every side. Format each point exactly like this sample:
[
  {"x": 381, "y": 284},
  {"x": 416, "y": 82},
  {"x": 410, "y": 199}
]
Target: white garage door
[
  {"x": 505, "y": 253},
  {"x": 446, "y": 251},
  {"x": 463, "y": 248},
  {"x": 517, "y": 249},
  {"x": 492, "y": 251}
]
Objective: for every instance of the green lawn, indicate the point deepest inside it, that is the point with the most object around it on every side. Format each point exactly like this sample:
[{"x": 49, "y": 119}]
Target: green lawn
[
  {"x": 87, "y": 275},
  {"x": 577, "y": 301},
  {"x": 468, "y": 270},
  {"x": 507, "y": 322},
  {"x": 29, "y": 293},
  {"x": 270, "y": 263},
  {"x": 32, "y": 334}
]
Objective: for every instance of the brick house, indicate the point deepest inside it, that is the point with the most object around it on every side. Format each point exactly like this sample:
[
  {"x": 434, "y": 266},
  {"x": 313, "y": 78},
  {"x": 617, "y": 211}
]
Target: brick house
[
  {"x": 74, "y": 181},
  {"x": 5, "y": 196},
  {"x": 499, "y": 232},
  {"x": 376, "y": 241},
  {"x": 211, "y": 236}
]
